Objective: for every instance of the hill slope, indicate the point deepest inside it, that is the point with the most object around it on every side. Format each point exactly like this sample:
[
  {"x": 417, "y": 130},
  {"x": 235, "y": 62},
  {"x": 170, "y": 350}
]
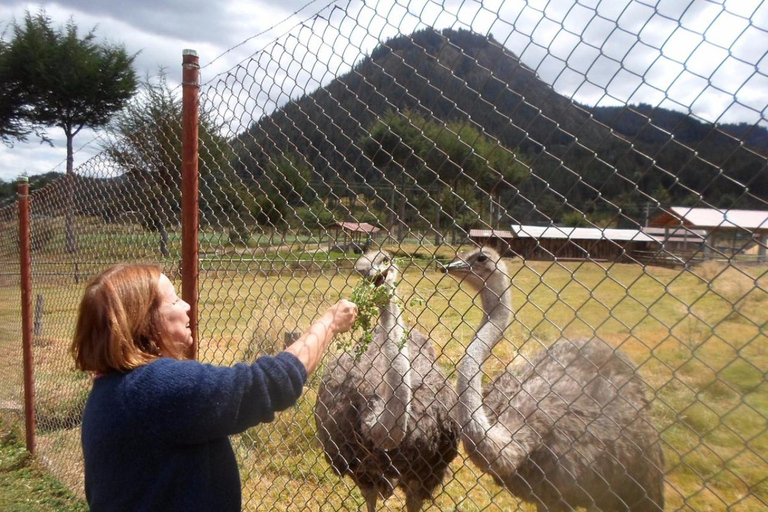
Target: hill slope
[{"x": 607, "y": 162}]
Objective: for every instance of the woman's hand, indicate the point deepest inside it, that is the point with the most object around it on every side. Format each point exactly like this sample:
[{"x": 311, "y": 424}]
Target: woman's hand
[
  {"x": 311, "y": 346},
  {"x": 341, "y": 316}
]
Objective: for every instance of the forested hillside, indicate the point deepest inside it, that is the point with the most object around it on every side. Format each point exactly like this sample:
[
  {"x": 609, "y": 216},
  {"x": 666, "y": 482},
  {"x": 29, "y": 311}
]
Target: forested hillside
[{"x": 610, "y": 163}]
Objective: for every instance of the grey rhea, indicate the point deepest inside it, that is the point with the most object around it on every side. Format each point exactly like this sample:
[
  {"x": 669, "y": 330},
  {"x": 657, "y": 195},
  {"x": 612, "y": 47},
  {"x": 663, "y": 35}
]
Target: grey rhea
[
  {"x": 385, "y": 420},
  {"x": 568, "y": 428}
]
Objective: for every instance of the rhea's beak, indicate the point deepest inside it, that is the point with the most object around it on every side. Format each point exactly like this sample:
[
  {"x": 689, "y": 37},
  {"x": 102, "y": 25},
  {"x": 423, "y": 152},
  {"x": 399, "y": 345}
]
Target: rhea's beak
[
  {"x": 378, "y": 275},
  {"x": 454, "y": 265}
]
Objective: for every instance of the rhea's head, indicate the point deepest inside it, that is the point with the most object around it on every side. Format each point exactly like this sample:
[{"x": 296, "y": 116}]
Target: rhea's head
[
  {"x": 378, "y": 267},
  {"x": 478, "y": 268}
]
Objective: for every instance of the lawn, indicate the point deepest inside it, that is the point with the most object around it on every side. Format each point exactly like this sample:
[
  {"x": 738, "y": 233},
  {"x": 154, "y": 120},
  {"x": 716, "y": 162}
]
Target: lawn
[
  {"x": 697, "y": 336},
  {"x": 25, "y": 485}
]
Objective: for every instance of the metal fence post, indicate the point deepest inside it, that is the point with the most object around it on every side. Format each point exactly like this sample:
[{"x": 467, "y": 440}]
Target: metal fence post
[
  {"x": 190, "y": 189},
  {"x": 26, "y": 313}
]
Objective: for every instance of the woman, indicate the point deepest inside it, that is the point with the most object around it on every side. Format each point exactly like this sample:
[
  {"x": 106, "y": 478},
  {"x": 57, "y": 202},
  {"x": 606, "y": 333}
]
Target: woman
[{"x": 155, "y": 425}]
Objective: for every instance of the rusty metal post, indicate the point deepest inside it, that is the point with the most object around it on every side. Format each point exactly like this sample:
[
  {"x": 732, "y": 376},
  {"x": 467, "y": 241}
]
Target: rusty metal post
[
  {"x": 190, "y": 217},
  {"x": 25, "y": 256}
]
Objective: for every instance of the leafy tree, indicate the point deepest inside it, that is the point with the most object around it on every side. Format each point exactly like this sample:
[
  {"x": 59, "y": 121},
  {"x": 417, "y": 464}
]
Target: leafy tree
[
  {"x": 575, "y": 219},
  {"x": 315, "y": 216},
  {"x": 287, "y": 177},
  {"x": 67, "y": 81},
  {"x": 7, "y": 190},
  {"x": 15, "y": 124},
  {"x": 269, "y": 211},
  {"x": 454, "y": 161},
  {"x": 145, "y": 142},
  {"x": 394, "y": 145},
  {"x": 12, "y": 113},
  {"x": 280, "y": 188}
]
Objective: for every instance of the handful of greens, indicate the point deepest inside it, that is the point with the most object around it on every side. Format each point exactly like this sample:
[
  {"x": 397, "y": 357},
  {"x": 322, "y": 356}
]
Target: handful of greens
[{"x": 369, "y": 299}]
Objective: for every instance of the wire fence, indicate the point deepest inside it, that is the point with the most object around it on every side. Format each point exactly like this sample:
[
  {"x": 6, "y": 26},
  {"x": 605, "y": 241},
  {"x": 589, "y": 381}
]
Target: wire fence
[{"x": 627, "y": 368}]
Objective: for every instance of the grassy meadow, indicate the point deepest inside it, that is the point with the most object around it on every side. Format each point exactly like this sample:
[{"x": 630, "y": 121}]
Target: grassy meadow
[
  {"x": 25, "y": 486},
  {"x": 697, "y": 336}
]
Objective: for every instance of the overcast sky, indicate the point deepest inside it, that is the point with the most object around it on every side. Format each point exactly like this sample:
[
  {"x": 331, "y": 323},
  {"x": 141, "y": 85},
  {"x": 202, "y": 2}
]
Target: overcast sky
[{"x": 707, "y": 57}]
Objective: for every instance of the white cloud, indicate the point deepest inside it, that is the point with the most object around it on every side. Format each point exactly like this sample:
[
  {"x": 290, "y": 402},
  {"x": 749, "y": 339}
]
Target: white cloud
[{"x": 36, "y": 158}]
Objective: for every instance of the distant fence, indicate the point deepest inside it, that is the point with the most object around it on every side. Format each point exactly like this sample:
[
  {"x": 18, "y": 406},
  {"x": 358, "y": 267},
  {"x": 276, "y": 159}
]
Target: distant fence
[{"x": 358, "y": 116}]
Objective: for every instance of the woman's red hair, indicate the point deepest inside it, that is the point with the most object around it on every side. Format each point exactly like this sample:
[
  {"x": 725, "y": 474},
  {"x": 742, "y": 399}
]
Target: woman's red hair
[{"x": 118, "y": 326}]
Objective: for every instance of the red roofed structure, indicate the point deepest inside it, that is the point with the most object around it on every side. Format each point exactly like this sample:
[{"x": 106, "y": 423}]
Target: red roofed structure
[{"x": 351, "y": 236}]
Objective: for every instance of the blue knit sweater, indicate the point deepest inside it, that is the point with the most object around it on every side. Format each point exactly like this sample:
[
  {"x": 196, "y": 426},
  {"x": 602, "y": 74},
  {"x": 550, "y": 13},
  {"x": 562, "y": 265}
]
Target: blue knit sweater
[{"x": 155, "y": 438}]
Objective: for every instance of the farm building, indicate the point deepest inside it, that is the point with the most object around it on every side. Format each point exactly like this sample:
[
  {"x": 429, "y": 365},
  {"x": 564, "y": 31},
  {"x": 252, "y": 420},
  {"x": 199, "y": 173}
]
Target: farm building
[
  {"x": 679, "y": 243},
  {"x": 495, "y": 238},
  {"x": 727, "y": 233},
  {"x": 568, "y": 243},
  {"x": 351, "y": 236}
]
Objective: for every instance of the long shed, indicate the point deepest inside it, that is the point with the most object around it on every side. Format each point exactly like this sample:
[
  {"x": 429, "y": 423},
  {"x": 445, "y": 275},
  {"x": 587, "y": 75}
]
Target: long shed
[
  {"x": 570, "y": 243},
  {"x": 726, "y": 233}
]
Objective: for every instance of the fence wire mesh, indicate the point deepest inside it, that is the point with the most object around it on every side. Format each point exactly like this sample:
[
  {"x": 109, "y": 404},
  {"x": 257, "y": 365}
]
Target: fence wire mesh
[{"x": 641, "y": 228}]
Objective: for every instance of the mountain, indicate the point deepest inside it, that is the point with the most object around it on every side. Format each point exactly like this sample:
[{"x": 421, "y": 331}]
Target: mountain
[
  {"x": 608, "y": 162},
  {"x": 631, "y": 121}
]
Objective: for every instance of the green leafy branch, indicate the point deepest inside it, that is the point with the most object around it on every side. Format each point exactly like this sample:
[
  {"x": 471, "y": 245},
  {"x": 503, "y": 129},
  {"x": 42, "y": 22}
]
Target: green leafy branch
[{"x": 369, "y": 299}]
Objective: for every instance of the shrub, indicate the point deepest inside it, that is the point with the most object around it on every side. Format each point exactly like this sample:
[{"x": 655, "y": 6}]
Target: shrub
[{"x": 239, "y": 233}]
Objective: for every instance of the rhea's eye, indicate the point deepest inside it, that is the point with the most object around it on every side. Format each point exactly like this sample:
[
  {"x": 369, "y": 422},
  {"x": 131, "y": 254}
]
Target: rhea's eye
[
  {"x": 385, "y": 260},
  {"x": 482, "y": 258}
]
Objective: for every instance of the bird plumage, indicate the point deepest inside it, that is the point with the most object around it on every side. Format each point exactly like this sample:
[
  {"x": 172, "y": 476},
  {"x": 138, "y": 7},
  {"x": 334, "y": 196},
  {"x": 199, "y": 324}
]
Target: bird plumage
[
  {"x": 360, "y": 433},
  {"x": 568, "y": 427}
]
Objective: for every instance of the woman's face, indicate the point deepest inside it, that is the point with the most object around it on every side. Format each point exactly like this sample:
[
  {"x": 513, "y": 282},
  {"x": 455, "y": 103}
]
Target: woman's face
[{"x": 174, "y": 317}]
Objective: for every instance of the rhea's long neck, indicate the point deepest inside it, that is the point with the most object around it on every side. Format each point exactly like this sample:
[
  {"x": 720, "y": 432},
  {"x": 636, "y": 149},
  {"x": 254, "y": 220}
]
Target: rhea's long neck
[
  {"x": 389, "y": 423},
  {"x": 492, "y": 447},
  {"x": 496, "y": 318}
]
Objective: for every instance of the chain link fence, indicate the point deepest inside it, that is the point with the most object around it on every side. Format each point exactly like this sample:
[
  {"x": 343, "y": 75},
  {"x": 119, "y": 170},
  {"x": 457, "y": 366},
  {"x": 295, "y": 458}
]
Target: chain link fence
[{"x": 363, "y": 127}]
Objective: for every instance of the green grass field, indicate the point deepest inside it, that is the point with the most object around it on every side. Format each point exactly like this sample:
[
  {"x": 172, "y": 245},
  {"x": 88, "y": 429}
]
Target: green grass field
[
  {"x": 698, "y": 338},
  {"x": 25, "y": 485}
]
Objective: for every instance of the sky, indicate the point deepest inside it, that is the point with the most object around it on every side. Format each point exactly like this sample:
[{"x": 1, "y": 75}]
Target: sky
[{"x": 704, "y": 57}]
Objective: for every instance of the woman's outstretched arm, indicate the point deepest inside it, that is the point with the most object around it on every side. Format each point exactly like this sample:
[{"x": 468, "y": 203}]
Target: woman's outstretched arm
[{"x": 311, "y": 346}]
